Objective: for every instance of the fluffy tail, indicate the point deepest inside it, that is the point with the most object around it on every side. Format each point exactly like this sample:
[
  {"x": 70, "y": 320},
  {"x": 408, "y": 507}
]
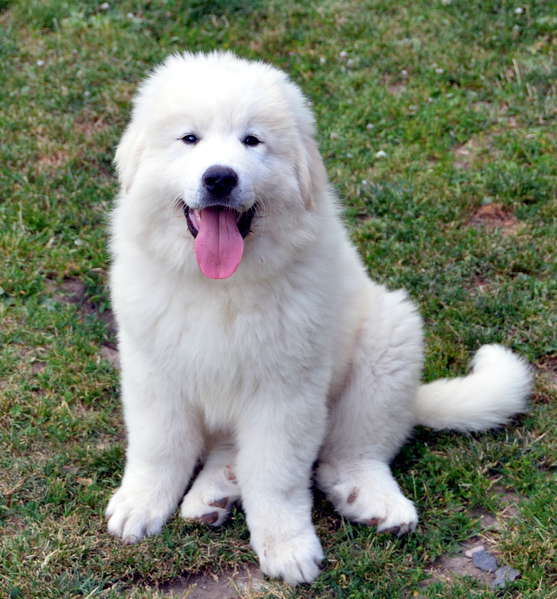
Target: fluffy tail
[{"x": 496, "y": 389}]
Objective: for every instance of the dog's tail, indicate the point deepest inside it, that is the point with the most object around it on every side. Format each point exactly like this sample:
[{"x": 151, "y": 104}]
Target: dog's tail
[{"x": 496, "y": 389}]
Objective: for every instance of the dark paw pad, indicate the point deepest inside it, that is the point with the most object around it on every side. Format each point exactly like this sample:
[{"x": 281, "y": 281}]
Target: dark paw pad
[
  {"x": 353, "y": 495},
  {"x": 372, "y": 522},
  {"x": 394, "y": 530},
  {"x": 209, "y": 518},
  {"x": 229, "y": 473}
]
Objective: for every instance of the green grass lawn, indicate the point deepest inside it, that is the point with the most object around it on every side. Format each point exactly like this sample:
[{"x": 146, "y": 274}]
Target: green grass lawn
[{"x": 438, "y": 125}]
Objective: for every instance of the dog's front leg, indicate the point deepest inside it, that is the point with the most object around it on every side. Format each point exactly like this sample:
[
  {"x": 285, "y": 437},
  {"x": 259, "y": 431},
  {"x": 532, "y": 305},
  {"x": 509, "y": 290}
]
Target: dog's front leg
[
  {"x": 278, "y": 443},
  {"x": 164, "y": 442}
]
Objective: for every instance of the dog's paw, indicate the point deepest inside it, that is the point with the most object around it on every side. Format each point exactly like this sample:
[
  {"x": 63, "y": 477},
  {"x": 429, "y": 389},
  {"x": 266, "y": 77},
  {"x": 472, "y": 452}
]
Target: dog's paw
[
  {"x": 211, "y": 497},
  {"x": 389, "y": 512},
  {"x": 296, "y": 560},
  {"x": 370, "y": 496},
  {"x": 137, "y": 513}
]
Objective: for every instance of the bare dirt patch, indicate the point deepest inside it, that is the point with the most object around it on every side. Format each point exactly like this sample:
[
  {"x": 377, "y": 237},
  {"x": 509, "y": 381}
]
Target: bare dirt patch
[
  {"x": 393, "y": 86},
  {"x": 479, "y": 285},
  {"x": 51, "y": 161},
  {"x": 37, "y": 366},
  {"x": 466, "y": 153},
  {"x": 477, "y": 557},
  {"x": 478, "y": 146},
  {"x": 447, "y": 567},
  {"x": 90, "y": 124},
  {"x": 72, "y": 291},
  {"x": 510, "y": 502},
  {"x": 496, "y": 216},
  {"x": 482, "y": 145},
  {"x": 396, "y": 89},
  {"x": 246, "y": 583},
  {"x": 547, "y": 367},
  {"x": 473, "y": 561},
  {"x": 110, "y": 354}
]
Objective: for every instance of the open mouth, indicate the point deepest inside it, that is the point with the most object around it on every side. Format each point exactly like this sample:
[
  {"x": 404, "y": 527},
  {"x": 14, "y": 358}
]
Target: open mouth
[
  {"x": 219, "y": 234},
  {"x": 243, "y": 219}
]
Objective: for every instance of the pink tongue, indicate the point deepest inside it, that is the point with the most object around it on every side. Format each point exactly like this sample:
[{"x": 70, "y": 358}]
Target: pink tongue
[{"x": 219, "y": 245}]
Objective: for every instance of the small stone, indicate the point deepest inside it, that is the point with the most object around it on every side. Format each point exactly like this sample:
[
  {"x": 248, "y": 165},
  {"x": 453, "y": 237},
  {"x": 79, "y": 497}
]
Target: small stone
[
  {"x": 470, "y": 552},
  {"x": 484, "y": 561},
  {"x": 503, "y": 575}
]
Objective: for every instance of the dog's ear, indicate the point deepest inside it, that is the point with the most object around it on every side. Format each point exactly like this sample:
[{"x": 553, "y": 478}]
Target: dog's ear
[
  {"x": 128, "y": 155},
  {"x": 312, "y": 176},
  {"x": 310, "y": 170}
]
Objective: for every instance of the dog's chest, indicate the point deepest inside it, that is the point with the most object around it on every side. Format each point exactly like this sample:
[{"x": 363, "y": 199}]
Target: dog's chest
[{"x": 237, "y": 341}]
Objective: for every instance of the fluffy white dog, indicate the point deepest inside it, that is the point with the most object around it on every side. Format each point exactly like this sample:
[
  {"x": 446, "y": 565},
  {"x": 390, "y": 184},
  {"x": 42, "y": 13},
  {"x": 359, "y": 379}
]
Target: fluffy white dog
[{"x": 251, "y": 337}]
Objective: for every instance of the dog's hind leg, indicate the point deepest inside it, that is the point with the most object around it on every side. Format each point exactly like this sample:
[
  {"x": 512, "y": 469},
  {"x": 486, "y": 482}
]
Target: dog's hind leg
[
  {"x": 215, "y": 489},
  {"x": 373, "y": 415}
]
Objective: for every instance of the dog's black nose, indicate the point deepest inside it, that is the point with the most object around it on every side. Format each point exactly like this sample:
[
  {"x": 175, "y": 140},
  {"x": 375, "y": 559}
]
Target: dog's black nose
[{"x": 219, "y": 180}]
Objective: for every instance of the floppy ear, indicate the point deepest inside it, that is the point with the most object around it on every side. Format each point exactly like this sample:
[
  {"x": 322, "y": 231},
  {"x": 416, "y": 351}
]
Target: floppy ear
[
  {"x": 312, "y": 176},
  {"x": 128, "y": 155}
]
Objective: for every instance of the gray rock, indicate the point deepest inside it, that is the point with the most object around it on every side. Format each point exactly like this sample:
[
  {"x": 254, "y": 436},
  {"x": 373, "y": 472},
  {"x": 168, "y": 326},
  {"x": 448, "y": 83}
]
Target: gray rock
[
  {"x": 484, "y": 561},
  {"x": 470, "y": 552},
  {"x": 503, "y": 575}
]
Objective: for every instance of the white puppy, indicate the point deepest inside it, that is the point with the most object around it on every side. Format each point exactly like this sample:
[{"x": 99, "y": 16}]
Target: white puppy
[{"x": 250, "y": 334}]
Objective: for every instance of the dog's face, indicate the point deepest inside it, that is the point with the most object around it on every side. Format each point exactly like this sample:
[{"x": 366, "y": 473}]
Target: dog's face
[{"x": 219, "y": 150}]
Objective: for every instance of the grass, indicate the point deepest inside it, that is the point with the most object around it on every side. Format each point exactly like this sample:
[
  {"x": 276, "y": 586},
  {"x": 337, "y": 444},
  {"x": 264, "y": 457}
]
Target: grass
[{"x": 437, "y": 122}]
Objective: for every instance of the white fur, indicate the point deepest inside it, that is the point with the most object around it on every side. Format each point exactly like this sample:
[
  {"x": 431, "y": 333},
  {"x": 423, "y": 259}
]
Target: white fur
[
  {"x": 488, "y": 397},
  {"x": 297, "y": 356}
]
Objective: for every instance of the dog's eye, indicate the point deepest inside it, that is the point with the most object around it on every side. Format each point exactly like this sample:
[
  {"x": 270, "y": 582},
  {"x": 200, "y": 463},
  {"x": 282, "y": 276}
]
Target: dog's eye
[
  {"x": 190, "y": 138},
  {"x": 251, "y": 140}
]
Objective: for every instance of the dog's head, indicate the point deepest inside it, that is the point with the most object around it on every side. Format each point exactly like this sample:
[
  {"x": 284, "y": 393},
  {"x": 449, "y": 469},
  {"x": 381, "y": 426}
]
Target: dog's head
[{"x": 220, "y": 151}]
